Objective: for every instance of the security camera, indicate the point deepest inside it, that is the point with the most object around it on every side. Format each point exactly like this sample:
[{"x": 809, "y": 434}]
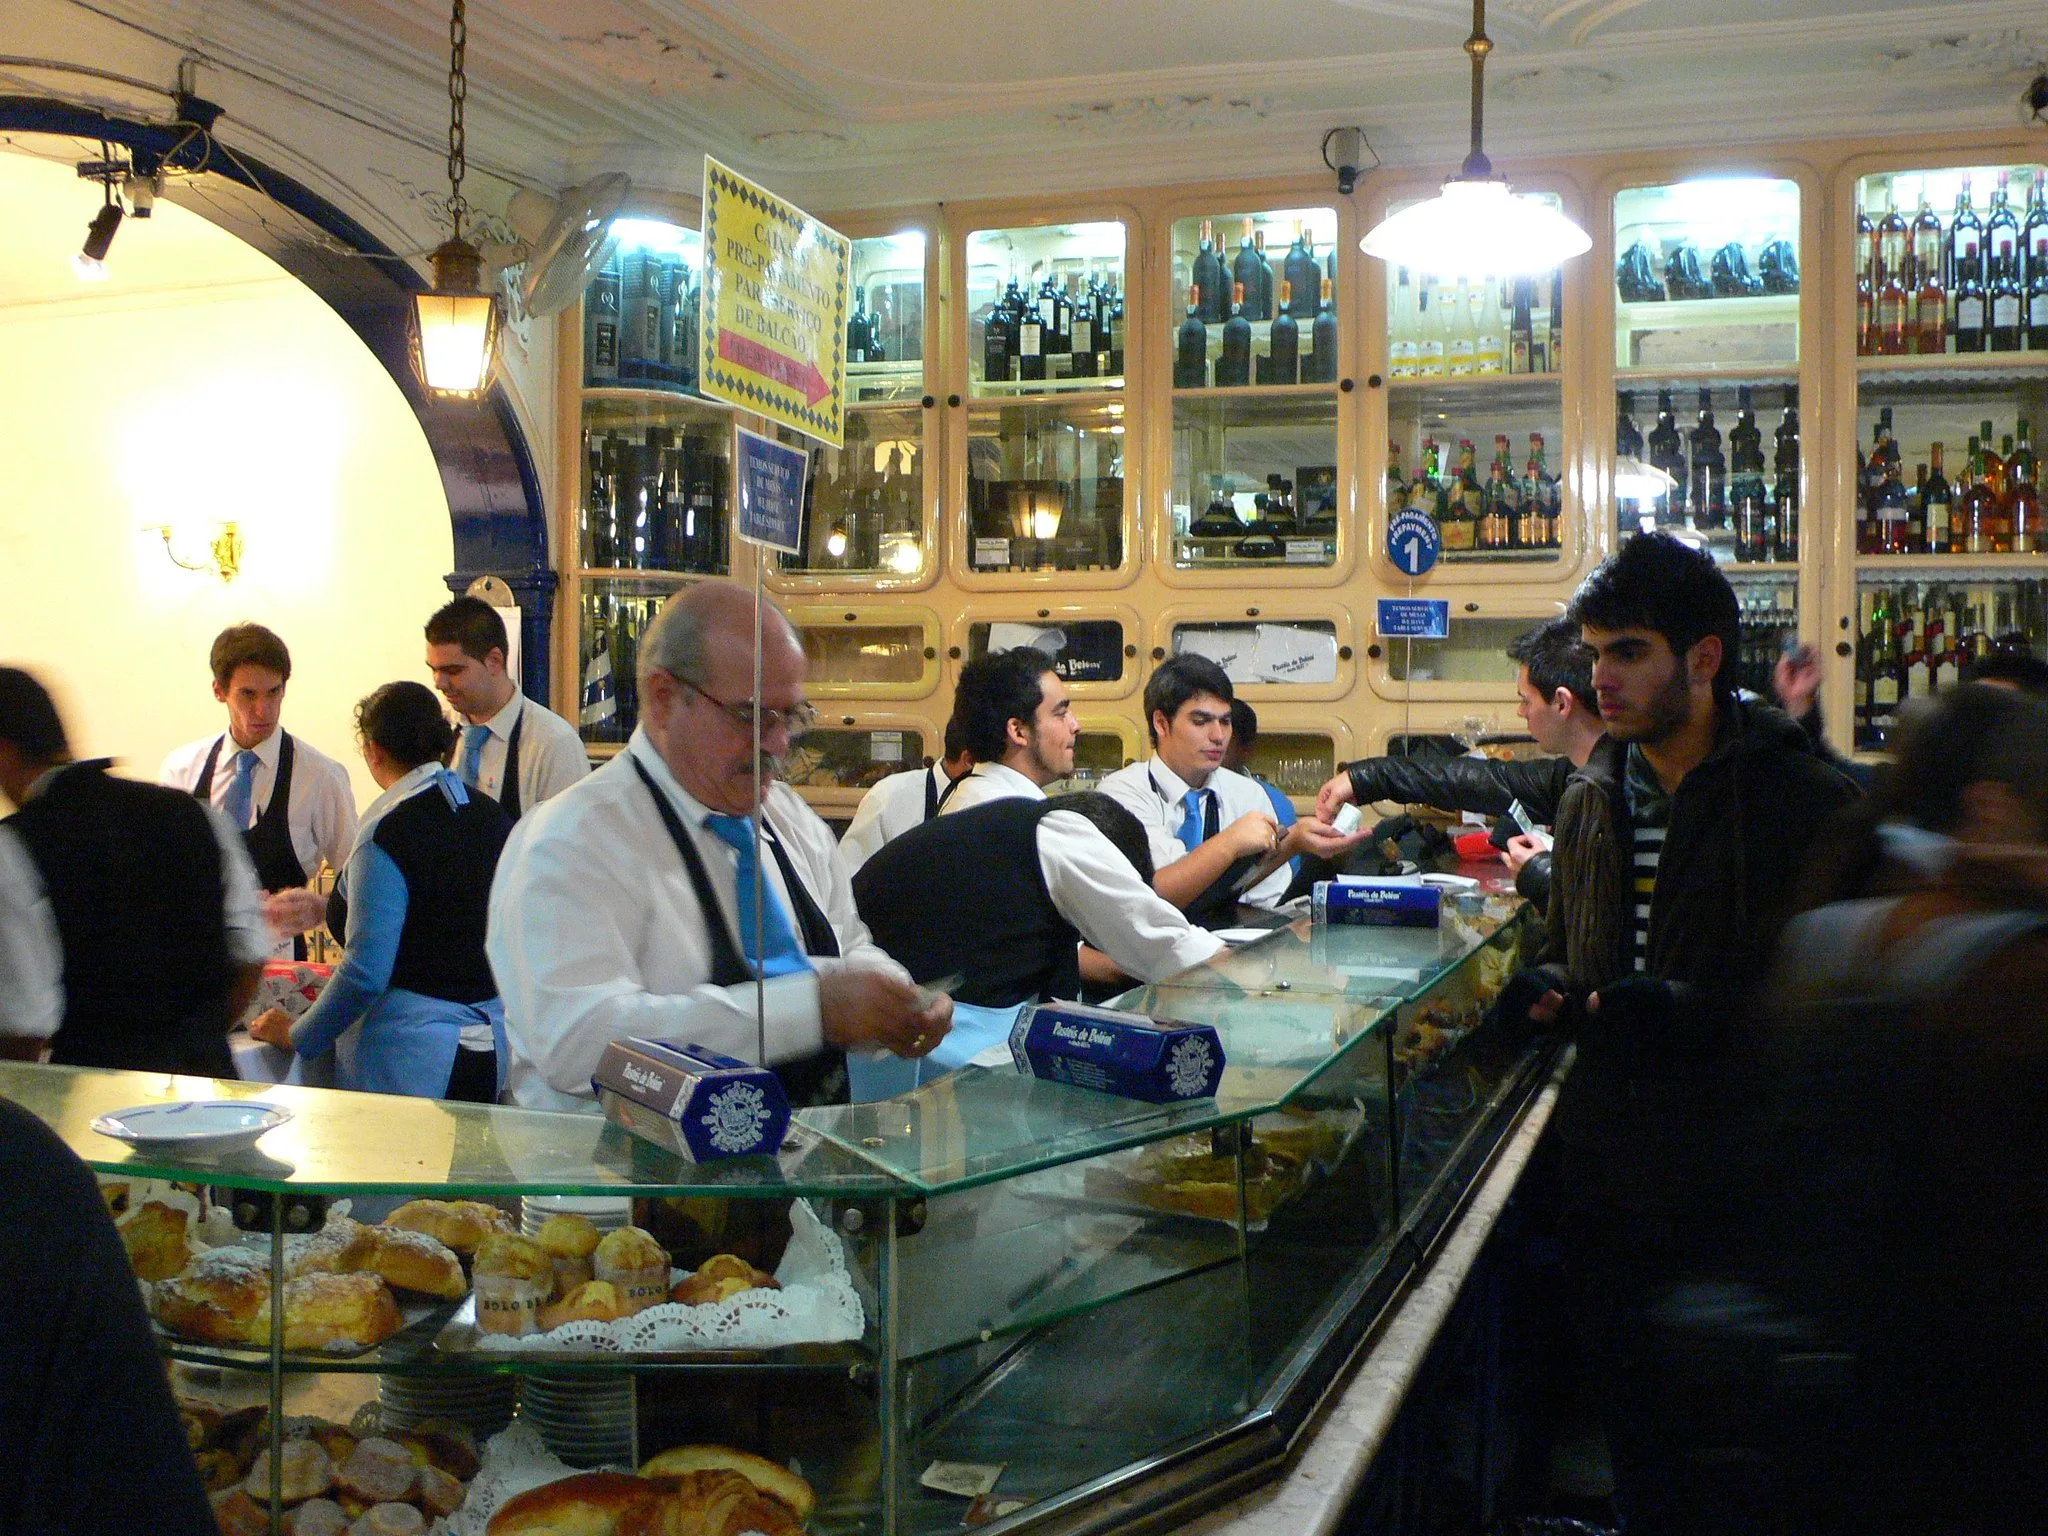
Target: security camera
[
  {"x": 1344, "y": 151},
  {"x": 2034, "y": 99}
]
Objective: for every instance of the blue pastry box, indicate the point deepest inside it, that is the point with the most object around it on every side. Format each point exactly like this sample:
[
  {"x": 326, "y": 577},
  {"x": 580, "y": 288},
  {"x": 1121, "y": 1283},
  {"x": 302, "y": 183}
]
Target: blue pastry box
[
  {"x": 1161, "y": 1061},
  {"x": 693, "y": 1101},
  {"x": 1375, "y": 903}
]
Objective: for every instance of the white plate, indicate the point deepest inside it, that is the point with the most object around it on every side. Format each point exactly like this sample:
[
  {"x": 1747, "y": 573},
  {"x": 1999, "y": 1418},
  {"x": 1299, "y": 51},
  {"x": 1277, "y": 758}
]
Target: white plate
[
  {"x": 1242, "y": 935},
  {"x": 213, "y": 1123}
]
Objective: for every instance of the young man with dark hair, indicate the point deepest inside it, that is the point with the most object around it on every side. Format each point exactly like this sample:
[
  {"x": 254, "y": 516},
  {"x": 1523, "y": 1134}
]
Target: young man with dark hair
[
  {"x": 131, "y": 933},
  {"x": 1017, "y": 722},
  {"x": 1215, "y": 840},
  {"x": 1048, "y": 876},
  {"x": 516, "y": 751},
  {"x": 291, "y": 802},
  {"x": 893, "y": 805}
]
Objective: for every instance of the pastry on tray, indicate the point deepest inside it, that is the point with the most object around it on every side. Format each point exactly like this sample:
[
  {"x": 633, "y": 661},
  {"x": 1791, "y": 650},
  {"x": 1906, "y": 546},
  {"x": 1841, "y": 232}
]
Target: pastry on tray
[
  {"x": 1188, "y": 1177},
  {"x": 633, "y": 1261},
  {"x": 513, "y": 1276},
  {"x": 157, "y": 1237},
  {"x": 223, "y": 1297},
  {"x": 461, "y": 1224},
  {"x": 770, "y": 1477},
  {"x": 693, "y": 1490},
  {"x": 594, "y": 1301},
  {"x": 720, "y": 1276},
  {"x": 569, "y": 1240}
]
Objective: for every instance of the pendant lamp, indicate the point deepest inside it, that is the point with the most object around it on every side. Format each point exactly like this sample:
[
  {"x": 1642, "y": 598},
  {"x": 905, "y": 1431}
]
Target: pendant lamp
[
  {"x": 1475, "y": 226},
  {"x": 453, "y": 327}
]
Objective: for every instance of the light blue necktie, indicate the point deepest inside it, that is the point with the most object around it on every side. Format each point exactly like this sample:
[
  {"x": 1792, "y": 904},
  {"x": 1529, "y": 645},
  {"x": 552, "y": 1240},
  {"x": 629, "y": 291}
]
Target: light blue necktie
[
  {"x": 1190, "y": 833},
  {"x": 473, "y": 739},
  {"x": 240, "y": 805},
  {"x": 774, "y": 940}
]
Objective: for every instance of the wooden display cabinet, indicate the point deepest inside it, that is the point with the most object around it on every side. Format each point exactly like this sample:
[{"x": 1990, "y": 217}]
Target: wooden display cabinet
[
  {"x": 870, "y": 651},
  {"x": 1296, "y": 649},
  {"x": 1095, "y": 646}
]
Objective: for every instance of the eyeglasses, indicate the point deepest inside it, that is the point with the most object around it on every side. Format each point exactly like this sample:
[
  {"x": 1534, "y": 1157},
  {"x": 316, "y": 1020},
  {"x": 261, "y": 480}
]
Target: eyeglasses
[{"x": 796, "y": 721}]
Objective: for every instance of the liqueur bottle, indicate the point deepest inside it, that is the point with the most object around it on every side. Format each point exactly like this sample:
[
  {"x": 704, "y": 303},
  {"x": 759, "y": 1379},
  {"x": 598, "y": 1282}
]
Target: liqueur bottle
[
  {"x": 1667, "y": 453},
  {"x": 1550, "y": 495},
  {"x": 1429, "y": 341},
  {"x": 1522, "y": 329},
  {"x": 1937, "y": 506},
  {"x": 1031, "y": 338},
  {"x": 1303, "y": 273},
  {"x": 1489, "y": 350},
  {"x": 1401, "y": 338},
  {"x": 1234, "y": 363},
  {"x": 1709, "y": 494},
  {"x": 1888, "y": 514},
  {"x": 1323, "y": 340},
  {"x": 2003, "y": 299},
  {"x": 2020, "y": 507},
  {"x": 1283, "y": 342},
  {"x": 1976, "y": 510},
  {"x": 1786, "y": 463},
  {"x": 1211, "y": 286},
  {"x": 1084, "y": 333},
  {"x": 1994, "y": 466},
  {"x": 1244, "y": 274}
]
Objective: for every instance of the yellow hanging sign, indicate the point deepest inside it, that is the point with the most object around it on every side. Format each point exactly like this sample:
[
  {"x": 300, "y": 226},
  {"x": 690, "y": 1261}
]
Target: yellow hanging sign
[{"x": 772, "y": 327}]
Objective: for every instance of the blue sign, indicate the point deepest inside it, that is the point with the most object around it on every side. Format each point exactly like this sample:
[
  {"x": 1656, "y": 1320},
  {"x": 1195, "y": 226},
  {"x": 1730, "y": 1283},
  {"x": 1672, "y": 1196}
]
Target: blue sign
[
  {"x": 1414, "y": 618},
  {"x": 1413, "y": 541},
  {"x": 770, "y": 477}
]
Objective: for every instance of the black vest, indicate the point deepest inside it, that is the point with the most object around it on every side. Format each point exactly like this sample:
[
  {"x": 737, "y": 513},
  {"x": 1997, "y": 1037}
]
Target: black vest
[
  {"x": 447, "y": 855},
  {"x": 270, "y": 840},
  {"x": 965, "y": 893},
  {"x": 134, "y": 879}
]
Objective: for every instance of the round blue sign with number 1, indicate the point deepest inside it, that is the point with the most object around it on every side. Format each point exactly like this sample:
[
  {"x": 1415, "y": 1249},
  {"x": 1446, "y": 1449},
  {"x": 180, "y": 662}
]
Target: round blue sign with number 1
[{"x": 1413, "y": 541}]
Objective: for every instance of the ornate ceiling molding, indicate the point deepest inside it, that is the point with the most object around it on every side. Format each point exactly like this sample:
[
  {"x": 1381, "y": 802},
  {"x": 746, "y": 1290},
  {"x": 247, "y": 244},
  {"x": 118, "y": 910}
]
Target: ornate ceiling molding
[
  {"x": 2003, "y": 52},
  {"x": 1161, "y": 114},
  {"x": 644, "y": 58}
]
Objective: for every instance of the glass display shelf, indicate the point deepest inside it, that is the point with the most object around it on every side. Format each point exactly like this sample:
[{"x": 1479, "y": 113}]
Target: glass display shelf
[
  {"x": 1707, "y": 274},
  {"x": 1295, "y": 762},
  {"x": 1102, "y": 747},
  {"x": 1769, "y": 622},
  {"x": 1283, "y": 652},
  {"x": 1045, "y": 487},
  {"x": 1447, "y": 326},
  {"x": 864, "y": 507},
  {"x": 1915, "y": 636},
  {"x": 654, "y": 486},
  {"x": 845, "y": 753},
  {"x": 1732, "y": 475},
  {"x": 1083, "y": 650},
  {"x": 1255, "y": 480},
  {"x": 613, "y": 612},
  {"x": 890, "y": 652},
  {"x": 1937, "y": 277},
  {"x": 1263, "y": 314},
  {"x": 1948, "y": 466},
  {"x": 1476, "y": 652},
  {"x": 1474, "y": 455},
  {"x": 640, "y": 310},
  {"x": 1045, "y": 309},
  {"x": 885, "y": 322}
]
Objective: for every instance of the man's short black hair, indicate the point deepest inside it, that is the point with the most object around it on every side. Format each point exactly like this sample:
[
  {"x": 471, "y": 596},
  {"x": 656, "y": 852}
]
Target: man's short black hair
[
  {"x": 2029, "y": 674},
  {"x": 1244, "y": 724},
  {"x": 1557, "y": 658},
  {"x": 29, "y": 721},
  {"x": 956, "y": 737},
  {"x": 471, "y": 623},
  {"x": 994, "y": 690},
  {"x": 1659, "y": 583},
  {"x": 1179, "y": 679},
  {"x": 1114, "y": 822}
]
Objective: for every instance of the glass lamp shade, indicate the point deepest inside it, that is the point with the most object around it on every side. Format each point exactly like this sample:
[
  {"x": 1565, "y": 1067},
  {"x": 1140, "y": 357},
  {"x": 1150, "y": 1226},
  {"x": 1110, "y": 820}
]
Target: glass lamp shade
[
  {"x": 1477, "y": 227},
  {"x": 1636, "y": 481},
  {"x": 454, "y": 327}
]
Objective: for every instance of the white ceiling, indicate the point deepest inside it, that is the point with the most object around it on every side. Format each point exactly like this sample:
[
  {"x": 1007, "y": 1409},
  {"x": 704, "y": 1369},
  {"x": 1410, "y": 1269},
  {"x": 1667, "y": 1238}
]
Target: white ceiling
[{"x": 910, "y": 101}]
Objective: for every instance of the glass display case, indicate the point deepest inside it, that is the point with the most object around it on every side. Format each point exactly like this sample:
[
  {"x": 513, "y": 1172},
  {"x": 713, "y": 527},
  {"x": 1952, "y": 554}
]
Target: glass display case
[
  {"x": 1474, "y": 656},
  {"x": 1045, "y": 487},
  {"x": 654, "y": 486},
  {"x": 1449, "y": 325},
  {"x": 1045, "y": 309},
  {"x": 1935, "y": 277},
  {"x": 1255, "y": 481},
  {"x": 640, "y": 310},
  {"x": 1717, "y": 464},
  {"x": 868, "y": 652},
  {"x": 1916, "y": 635},
  {"x": 1094, "y": 656},
  {"x": 885, "y": 352},
  {"x": 1262, "y": 315},
  {"x": 1706, "y": 274},
  {"x": 1482, "y": 459},
  {"x": 843, "y": 755},
  {"x": 1107, "y": 742},
  {"x": 1296, "y": 759},
  {"x": 1946, "y": 465},
  {"x": 612, "y": 614},
  {"x": 1300, "y": 651},
  {"x": 1008, "y": 1248}
]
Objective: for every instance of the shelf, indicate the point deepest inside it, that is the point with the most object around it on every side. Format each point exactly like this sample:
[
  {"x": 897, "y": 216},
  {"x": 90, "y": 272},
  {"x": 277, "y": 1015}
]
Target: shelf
[
  {"x": 2001, "y": 566},
  {"x": 1698, "y": 314},
  {"x": 1473, "y": 381},
  {"x": 1956, "y": 368},
  {"x": 1762, "y": 570},
  {"x": 638, "y": 573},
  {"x": 627, "y": 394},
  {"x": 983, "y": 392},
  {"x": 1512, "y": 556},
  {"x": 1723, "y": 374},
  {"x": 1257, "y": 392}
]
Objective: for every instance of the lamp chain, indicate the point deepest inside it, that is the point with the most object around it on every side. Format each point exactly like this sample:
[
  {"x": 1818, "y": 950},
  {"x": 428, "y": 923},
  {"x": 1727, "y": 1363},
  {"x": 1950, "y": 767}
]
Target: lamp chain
[{"x": 458, "y": 93}]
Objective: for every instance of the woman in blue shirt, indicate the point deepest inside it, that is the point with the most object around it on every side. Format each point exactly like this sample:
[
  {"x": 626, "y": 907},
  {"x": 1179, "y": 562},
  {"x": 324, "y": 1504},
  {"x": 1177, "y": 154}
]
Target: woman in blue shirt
[{"x": 412, "y": 903}]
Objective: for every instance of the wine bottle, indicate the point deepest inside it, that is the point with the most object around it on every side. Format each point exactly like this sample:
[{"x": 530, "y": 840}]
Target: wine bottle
[
  {"x": 1401, "y": 338},
  {"x": 1667, "y": 453},
  {"x": 1924, "y": 247},
  {"x": 1303, "y": 274},
  {"x": 1893, "y": 300},
  {"x": 1965, "y": 260},
  {"x": 1866, "y": 280},
  {"x": 1976, "y": 510},
  {"x": 999, "y": 341},
  {"x": 601, "y": 326},
  {"x": 1937, "y": 506},
  {"x": 1082, "y": 334},
  {"x": 1892, "y": 238},
  {"x": 2037, "y": 282},
  {"x": 1553, "y": 351},
  {"x": 1709, "y": 490},
  {"x": 1054, "y": 312},
  {"x": 2033, "y": 246},
  {"x": 1031, "y": 339},
  {"x": 1628, "y": 440},
  {"x": 1323, "y": 340},
  {"x": 596, "y": 493},
  {"x": 1283, "y": 342},
  {"x": 857, "y": 327},
  {"x": 1209, "y": 279},
  {"x": 1786, "y": 490},
  {"x": 1746, "y": 499},
  {"x": 1234, "y": 362},
  {"x": 1116, "y": 329},
  {"x": 2020, "y": 507},
  {"x": 2003, "y": 300},
  {"x": 1522, "y": 328},
  {"x": 1994, "y": 466},
  {"x": 2001, "y": 234},
  {"x": 1265, "y": 270},
  {"x": 1244, "y": 274},
  {"x": 1191, "y": 346}
]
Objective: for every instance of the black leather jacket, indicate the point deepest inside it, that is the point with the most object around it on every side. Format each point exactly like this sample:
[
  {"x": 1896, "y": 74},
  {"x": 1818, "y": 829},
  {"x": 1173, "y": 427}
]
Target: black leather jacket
[{"x": 1480, "y": 784}]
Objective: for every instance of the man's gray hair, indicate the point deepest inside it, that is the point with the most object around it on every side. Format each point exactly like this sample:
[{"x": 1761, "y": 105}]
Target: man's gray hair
[{"x": 696, "y": 621}]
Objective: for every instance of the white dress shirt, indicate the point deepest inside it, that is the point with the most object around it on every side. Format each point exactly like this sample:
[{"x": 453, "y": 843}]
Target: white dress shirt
[
  {"x": 596, "y": 933},
  {"x": 323, "y": 810},
  {"x": 551, "y": 754},
  {"x": 32, "y": 951},
  {"x": 1095, "y": 888},
  {"x": 991, "y": 781},
  {"x": 890, "y": 808},
  {"x": 1156, "y": 795}
]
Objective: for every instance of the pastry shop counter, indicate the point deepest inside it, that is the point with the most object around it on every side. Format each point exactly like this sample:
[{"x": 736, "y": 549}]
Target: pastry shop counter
[{"x": 1066, "y": 1310}]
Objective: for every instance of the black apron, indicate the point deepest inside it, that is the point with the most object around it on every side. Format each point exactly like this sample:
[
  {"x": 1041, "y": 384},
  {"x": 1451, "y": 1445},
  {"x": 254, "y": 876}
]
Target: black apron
[
  {"x": 270, "y": 841},
  {"x": 1216, "y": 907},
  {"x": 819, "y": 1079}
]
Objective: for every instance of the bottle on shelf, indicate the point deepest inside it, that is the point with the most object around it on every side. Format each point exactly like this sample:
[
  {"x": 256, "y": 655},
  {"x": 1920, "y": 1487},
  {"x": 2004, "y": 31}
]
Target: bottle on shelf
[
  {"x": 1322, "y": 365},
  {"x": 1234, "y": 362},
  {"x": 1929, "y": 314},
  {"x": 1547, "y": 495},
  {"x": 1667, "y": 453},
  {"x": 2035, "y": 229},
  {"x": 1976, "y": 511},
  {"x": 1489, "y": 348},
  {"x": 1628, "y": 441},
  {"x": 1469, "y": 494},
  {"x": 1916, "y": 512},
  {"x": 2020, "y": 507},
  {"x": 1924, "y": 246},
  {"x": 1888, "y": 514},
  {"x": 999, "y": 340},
  {"x": 1937, "y": 506},
  {"x": 1748, "y": 506},
  {"x": 1553, "y": 350},
  {"x": 1114, "y": 358},
  {"x": 601, "y": 327},
  {"x": 1057, "y": 314},
  {"x": 2004, "y": 300},
  {"x": 1786, "y": 489},
  {"x": 1866, "y": 281},
  {"x": 1432, "y": 358},
  {"x": 1894, "y": 302},
  {"x": 1709, "y": 491},
  {"x": 1501, "y": 517},
  {"x": 1461, "y": 337},
  {"x": 2001, "y": 233},
  {"x": 1244, "y": 274},
  {"x": 1212, "y": 287},
  {"x": 1970, "y": 324},
  {"x": 1303, "y": 273},
  {"x": 1965, "y": 258},
  {"x": 1401, "y": 330},
  {"x": 1083, "y": 334},
  {"x": 1522, "y": 328},
  {"x": 1994, "y": 465},
  {"x": 2037, "y": 278},
  {"x": 857, "y": 327},
  {"x": 1884, "y": 670},
  {"x": 592, "y": 530},
  {"x": 1283, "y": 343}
]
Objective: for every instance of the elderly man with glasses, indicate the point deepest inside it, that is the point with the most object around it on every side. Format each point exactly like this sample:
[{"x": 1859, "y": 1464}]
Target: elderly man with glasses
[{"x": 626, "y": 904}]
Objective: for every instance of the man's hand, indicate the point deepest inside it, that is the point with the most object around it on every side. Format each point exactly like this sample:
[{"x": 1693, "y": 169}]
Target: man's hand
[
  {"x": 1795, "y": 680},
  {"x": 1547, "y": 1008},
  {"x": 1520, "y": 850},
  {"x": 273, "y": 1026},
  {"x": 859, "y": 1006},
  {"x": 1319, "y": 838},
  {"x": 1253, "y": 832},
  {"x": 1333, "y": 796},
  {"x": 294, "y": 911}
]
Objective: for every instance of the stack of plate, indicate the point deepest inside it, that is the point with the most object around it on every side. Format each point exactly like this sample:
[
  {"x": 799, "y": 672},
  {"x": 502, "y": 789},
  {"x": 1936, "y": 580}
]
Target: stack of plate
[
  {"x": 483, "y": 1403},
  {"x": 586, "y": 1418},
  {"x": 607, "y": 1213}
]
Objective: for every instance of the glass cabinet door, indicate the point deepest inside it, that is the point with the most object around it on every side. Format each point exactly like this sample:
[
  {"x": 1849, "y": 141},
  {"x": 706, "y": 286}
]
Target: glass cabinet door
[
  {"x": 868, "y": 652},
  {"x": 1718, "y": 463},
  {"x": 1046, "y": 309},
  {"x": 1045, "y": 486},
  {"x": 1479, "y": 456},
  {"x": 640, "y": 311},
  {"x": 1301, "y": 652},
  {"x": 885, "y": 330},
  {"x": 1707, "y": 274},
  {"x": 1952, "y": 261},
  {"x": 1254, "y": 481},
  {"x": 1262, "y": 314},
  {"x": 1095, "y": 656},
  {"x": 1447, "y": 325},
  {"x": 843, "y": 755},
  {"x": 1106, "y": 743},
  {"x": 1914, "y": 636},
  {"x": 612, "y": 613},
  {"x": 655, "y": 473}
]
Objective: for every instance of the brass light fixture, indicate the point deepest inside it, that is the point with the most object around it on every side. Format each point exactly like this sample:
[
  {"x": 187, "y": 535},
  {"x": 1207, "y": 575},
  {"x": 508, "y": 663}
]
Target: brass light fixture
[
  {"x": 453, "y": 328},
  {"x": 223, "y": 554}
]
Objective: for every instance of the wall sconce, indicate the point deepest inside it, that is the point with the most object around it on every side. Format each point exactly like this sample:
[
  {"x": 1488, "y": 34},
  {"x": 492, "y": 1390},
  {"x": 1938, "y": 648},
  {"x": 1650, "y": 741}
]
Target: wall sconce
[{"x": 223, "y": 552}]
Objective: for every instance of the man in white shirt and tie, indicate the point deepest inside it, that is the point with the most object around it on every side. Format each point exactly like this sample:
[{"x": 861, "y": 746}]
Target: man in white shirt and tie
[
  {"x": 625, "y": 905},
  {"x": 1018, "y": 724},
  {"x": 1215, "y": 841},
  {"x": 291, "y": 802},
  {"x": 514, "y": 750}
]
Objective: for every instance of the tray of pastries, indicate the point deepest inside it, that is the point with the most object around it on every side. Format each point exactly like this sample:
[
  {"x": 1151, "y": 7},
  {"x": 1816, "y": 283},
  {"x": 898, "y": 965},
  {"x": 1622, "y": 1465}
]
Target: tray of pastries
[
  {"x": 1196, "y": 1175},
  {"x": 692, "y": 1490}
]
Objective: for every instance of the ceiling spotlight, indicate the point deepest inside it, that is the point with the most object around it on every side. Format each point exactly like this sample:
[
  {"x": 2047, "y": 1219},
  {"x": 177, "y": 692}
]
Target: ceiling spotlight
[{"x": 91, "y": 261}]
